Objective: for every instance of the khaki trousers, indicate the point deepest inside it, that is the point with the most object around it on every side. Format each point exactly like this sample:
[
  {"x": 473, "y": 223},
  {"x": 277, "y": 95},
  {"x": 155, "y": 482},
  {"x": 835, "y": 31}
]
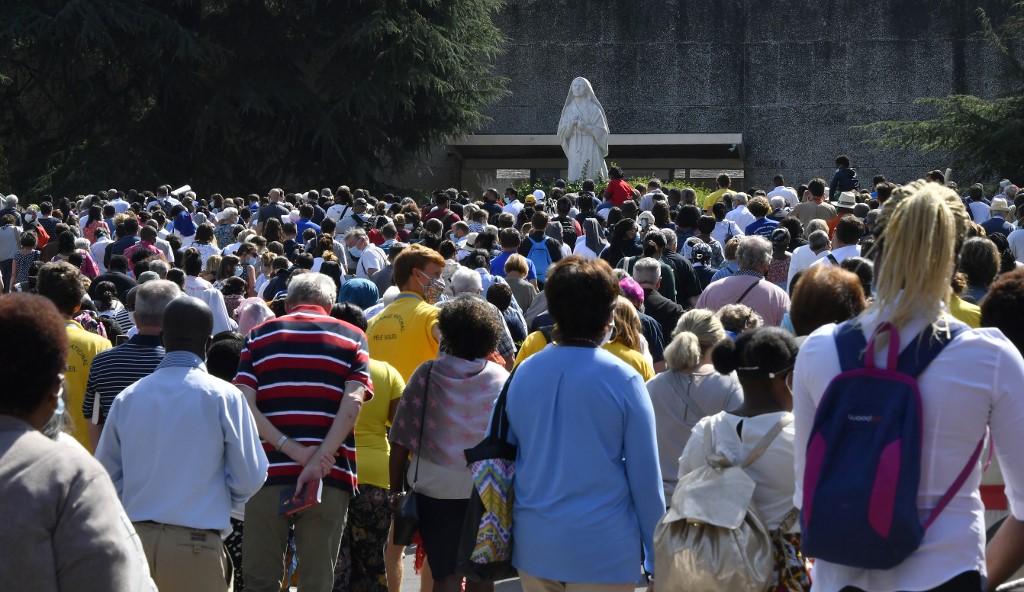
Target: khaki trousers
[
  {"x": 532, "y": 584},
  {"x": 318, "y": 533},
  {"x": 184, "y": 559}
]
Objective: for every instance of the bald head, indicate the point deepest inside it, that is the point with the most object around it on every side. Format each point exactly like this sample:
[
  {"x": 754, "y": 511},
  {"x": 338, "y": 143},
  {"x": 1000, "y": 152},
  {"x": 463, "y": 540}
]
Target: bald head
[{"x": 187, "y": 325}]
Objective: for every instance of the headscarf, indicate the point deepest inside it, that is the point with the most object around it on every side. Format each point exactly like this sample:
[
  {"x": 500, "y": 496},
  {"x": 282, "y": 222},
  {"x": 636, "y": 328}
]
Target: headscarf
[
  {"x": 361, "y": 292},
  {"x": 251, "y": 312},
  {"x": 594, "y": 235},
  {"x": 591, "y": 98}
]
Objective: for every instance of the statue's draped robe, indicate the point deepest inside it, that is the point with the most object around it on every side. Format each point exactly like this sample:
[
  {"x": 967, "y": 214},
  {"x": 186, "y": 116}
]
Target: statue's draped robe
[{"x": 586, "y": 144}]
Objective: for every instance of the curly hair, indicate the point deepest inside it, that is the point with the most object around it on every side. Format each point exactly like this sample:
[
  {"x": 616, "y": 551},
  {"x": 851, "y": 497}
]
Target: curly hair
[
  {"x": 1003, "y": 306},
  {"x": 470, "y": 329},
  {"x": 32, "y": 363}
]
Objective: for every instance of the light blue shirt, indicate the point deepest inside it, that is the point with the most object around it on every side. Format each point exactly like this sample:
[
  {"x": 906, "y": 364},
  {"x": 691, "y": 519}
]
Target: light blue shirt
[
  {"x": 588, "y": 489},
  {"x": 181, "y": 447}
]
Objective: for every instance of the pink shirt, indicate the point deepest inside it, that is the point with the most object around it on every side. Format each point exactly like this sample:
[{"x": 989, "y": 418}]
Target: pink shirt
[{"x": 767, "y": 299}]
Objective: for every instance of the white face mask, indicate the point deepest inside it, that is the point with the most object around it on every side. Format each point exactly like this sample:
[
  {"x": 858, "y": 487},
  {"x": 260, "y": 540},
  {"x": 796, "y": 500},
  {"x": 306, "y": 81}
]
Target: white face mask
[
  {"x": 60, "y": 399},
  {"x": 30, "y": 217},
  {"x": 608, "y": 335}
]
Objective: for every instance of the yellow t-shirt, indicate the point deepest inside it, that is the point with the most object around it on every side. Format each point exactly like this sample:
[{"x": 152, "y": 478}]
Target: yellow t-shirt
[
  {"x": 402, "y": 334},
  {"x": 82, "y": 349},
  {"x": 372, "y": 446},
  {"x": 631, "y": 357},
  {"x": 535, "y": 342},
  {"x": 713, "y": 198},
  {"x": 965, "y": 312}
]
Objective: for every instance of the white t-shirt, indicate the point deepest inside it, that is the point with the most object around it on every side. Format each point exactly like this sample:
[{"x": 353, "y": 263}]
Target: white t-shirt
[
  {"x": 373, "y": 258},
  {"x": 513, "y": 207},
  {"x": 980, "y": 211},
  {"x": 723, "y": 229},
  {"x": 972, "y": 385},
  {"x": 787, "y": 193},
  {"x": 1016, "y": 240},
  {"x": 841, "y": 254},
  {"x": 741, "y": 216},
  {"x": 336, "y": 211},
  {"x": 803, "y": 257},
  {"x": 773, "y": 472}
]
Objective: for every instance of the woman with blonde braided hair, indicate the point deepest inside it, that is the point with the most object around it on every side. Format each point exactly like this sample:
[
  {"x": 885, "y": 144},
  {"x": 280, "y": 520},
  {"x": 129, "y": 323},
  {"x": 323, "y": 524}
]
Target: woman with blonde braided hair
[{"x": 970, "y": 387}]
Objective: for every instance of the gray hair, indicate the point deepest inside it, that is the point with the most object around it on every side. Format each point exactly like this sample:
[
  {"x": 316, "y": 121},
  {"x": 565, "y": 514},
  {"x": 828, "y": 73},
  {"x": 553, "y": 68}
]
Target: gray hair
[
  {"x": 82, "y": 244},
  {"x": 739, "y": 198},
  {"x": 356, "y": 232},
  {"x": 778, "y": 202},
  {"x": 151, "y": 298},
  {"x": 466, "y": 281},
  {"x": 671, "y": 241},
  {"x": 312, "y": 288},
  {"x": 818, "y": 240},
  {"x": 816, "y": 224},
  {"x": 647, "y": 272},
  {"x": 754, "y": 253},
  {"x": 159, "y": 267}
]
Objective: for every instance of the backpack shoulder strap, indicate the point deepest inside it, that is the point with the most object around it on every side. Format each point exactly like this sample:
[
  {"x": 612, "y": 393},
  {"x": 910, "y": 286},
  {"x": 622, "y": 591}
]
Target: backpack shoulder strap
[
  {"x": 926, "y": 347},
  {"x": 767, "y": 440},
  {"x": 832, "y": 259},
  {"x": 850, "y": 345}
]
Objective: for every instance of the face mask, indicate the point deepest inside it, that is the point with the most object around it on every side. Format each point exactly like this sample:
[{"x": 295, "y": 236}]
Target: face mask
[
  {"x": 408, "y": 227},
  {"x": 30, "y": 217},
  {"x": 356, "y": 252},
  {"x": 238, "y": 270},
  {"x": 60, "y": 401},
  {"x": 433, "y": 289},
  {"x": 608, "y": 335}
]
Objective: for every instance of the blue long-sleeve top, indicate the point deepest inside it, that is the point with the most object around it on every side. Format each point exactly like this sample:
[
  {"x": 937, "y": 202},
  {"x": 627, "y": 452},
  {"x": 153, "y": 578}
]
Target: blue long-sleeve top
[{"x": 588, "y": 484}]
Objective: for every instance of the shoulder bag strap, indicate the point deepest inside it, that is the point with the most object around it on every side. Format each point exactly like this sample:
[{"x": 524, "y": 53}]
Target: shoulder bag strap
[
  {"x": 709, "y": 444},
  {"x": 499, "y": 419},
  {"x": 423, "y": 420},
  {"x": 767, "y": 440},
  {"x": 747, "y": 291}
]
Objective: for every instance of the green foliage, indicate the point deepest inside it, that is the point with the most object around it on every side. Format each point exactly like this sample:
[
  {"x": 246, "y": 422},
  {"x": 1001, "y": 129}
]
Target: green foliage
[
  {"x": 977, "y": 134},
  {"x": 236, "y": 95},
  {"x": 576, "y": 187}
]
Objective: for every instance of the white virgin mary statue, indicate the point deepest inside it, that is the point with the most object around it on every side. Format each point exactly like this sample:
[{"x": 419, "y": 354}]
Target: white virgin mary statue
[{"x": 583, "y": 131}]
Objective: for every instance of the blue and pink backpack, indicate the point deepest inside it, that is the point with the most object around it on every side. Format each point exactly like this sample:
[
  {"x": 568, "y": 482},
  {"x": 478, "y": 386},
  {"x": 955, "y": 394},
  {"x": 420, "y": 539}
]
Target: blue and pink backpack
[{"x": 863, "y": 463}]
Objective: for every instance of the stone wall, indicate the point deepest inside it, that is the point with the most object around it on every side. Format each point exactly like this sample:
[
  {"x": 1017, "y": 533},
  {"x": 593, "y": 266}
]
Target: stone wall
[{"x": 792, "y": 76}]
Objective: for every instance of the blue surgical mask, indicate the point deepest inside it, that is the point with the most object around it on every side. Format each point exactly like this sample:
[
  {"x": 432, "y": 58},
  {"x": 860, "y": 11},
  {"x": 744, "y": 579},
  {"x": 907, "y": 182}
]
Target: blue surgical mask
[
  {"x": 238, "y": 270},
  {"x": 60, "y": 400},
  {"x": 408, "y": 227},
  {"x": 356, "y": 252}
]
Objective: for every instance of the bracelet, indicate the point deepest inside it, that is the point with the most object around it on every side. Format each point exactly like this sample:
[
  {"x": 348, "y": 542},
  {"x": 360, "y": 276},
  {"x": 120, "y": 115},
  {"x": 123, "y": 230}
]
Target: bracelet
[{"x": 281, "y": 442}]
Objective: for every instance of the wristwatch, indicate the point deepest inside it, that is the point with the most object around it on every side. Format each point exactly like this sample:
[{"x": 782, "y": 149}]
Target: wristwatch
[{"x": 281, "y": 442}]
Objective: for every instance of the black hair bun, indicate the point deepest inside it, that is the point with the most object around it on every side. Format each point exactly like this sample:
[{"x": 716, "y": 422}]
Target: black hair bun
[{"x": 725, "y": 357}]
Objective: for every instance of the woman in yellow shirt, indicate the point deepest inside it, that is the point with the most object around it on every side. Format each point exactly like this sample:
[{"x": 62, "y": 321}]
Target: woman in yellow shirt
[
  {"x": 626, "y": 343},
  {"x": 362, "y": 562}
]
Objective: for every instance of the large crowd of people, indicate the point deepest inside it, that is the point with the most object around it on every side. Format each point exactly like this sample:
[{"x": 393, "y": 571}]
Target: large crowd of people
[{"x": 179, "y": 366}]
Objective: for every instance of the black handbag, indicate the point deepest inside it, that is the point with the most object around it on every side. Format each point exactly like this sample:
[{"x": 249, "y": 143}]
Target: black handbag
[
  {"x": 485, "y": 545},
  {"x": 407, "y": 517}
]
